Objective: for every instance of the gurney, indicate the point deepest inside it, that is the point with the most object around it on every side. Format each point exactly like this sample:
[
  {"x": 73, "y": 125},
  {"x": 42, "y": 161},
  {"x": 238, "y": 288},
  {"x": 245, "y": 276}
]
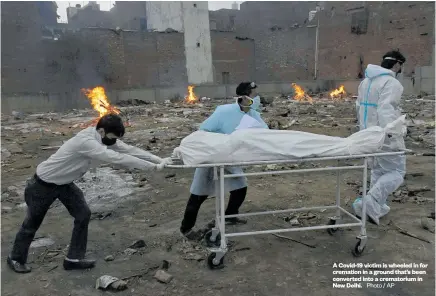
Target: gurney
[{"x": 217, "y": 237}]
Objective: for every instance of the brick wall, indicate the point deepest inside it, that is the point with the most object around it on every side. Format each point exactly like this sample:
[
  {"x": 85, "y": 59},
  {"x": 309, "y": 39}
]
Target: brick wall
[
  {"x": 223, "y": 19},
  {"x": 408, "y": 26},
  {"x": 233, "y": 55},
  {"x": 141, "y": 59},
  {"x": 284, "y": 55},
  {"x": 283, "y": 46},
  {"x": 21, "y": 47}
]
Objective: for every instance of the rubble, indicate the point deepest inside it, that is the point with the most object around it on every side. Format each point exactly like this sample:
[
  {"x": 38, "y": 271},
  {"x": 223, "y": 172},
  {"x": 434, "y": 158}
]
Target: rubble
[
  {"x": 138, "y": 244},
  {"x": 163, "y": 277},
  {"x": 109, "y": 258},
  {"x": 159, "y": 128},
  {"x": 109, "y": 282},
  {"x": 130, "y": 251},
  {"x": 42, "y": 242}
]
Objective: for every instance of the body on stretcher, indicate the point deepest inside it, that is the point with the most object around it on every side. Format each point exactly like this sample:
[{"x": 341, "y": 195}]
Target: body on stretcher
[{"x": 217, "y": 237}]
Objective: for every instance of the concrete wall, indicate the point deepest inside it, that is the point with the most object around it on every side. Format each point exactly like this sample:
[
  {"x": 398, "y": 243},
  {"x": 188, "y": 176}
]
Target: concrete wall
[
  {"x": 127, "y": 14},
  {"x": 425, "y": 80},
  {"x": 284, "y": 47},
  {"x": 232, "y": 57},
  {"x": 198, "y": 48},
  {"x": 21, "y": 46},
  {"x": 162, "y": 15},
  {"x": 76, "y": 100},
  {"x": 408, "y": 26}
]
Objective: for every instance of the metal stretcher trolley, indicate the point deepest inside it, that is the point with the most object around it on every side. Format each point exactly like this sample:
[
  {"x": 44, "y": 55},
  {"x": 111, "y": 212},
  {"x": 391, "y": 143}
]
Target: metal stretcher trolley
[{"x": 216, "y": 238}]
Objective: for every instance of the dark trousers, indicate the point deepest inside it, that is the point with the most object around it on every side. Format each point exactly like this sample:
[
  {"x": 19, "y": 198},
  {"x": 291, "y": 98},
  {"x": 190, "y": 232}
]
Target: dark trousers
[
  {"x": 39, "y": 196},
  {"x": 236, "y": 199}
]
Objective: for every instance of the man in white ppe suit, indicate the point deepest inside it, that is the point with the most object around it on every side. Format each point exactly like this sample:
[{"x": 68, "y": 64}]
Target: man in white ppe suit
[
  {"x": 377, "y": 104},
  {"x": 54, "y": 180}
]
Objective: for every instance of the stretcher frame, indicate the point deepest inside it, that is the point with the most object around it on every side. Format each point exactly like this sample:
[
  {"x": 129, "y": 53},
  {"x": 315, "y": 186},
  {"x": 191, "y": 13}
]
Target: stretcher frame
[{"x": 217, "y": 236}]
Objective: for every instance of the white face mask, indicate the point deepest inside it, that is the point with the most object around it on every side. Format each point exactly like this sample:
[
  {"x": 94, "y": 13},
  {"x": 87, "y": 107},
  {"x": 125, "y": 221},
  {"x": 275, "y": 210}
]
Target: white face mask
[
  {"x": 248, "y": 105},
  {"x": 256, "y": 103}
]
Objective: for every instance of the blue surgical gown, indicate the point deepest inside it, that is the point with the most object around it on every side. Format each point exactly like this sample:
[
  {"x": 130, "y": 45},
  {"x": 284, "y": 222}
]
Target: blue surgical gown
[{"x": 224, "y": 120}]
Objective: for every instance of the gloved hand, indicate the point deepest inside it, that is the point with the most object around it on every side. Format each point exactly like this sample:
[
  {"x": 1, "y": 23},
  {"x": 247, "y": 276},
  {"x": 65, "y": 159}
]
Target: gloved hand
[
  {"x": 167, "y": 161},
  {"x": 159, "y": 167},
  {"x": 157, "y": 159},
  {"x": 163, "y": 163}
]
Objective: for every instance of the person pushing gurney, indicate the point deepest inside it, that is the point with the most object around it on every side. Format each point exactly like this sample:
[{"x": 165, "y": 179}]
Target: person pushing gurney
[
  {"x": 225, "y": 119},
  {"x": 54, "y": 180},
  {"x": 378, "y": 104}
]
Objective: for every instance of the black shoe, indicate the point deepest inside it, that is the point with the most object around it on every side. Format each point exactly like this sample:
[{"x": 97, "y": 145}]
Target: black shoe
[
  {"x": 211, "y": 224},
  {"x": 18, "y": 267},
  {"x": 368, "y": 219},
  {"x": 235, "y": 220},
  {"x": 194, "y": 235},
  {"x": 81, "y": 264}
]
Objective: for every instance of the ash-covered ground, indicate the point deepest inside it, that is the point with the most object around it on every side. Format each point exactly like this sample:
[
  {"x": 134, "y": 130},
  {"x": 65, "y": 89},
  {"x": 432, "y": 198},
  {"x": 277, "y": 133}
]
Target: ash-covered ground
[{"x": 132, "y": 205}]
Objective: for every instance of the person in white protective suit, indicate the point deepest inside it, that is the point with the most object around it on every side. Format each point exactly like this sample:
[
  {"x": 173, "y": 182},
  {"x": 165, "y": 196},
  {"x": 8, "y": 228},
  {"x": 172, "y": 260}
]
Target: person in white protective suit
[
  {"x": 225, "y": 119},
  {"x": 378, "y": 101}
]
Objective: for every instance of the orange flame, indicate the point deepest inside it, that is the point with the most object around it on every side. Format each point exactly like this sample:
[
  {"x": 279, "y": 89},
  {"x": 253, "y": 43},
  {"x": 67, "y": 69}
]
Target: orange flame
[
  {"x": 337, "y": 93},
  {"x": 191, "y": 98},
  {"x": 99, "y": 101},
  {"x": 300, "y": 95}
]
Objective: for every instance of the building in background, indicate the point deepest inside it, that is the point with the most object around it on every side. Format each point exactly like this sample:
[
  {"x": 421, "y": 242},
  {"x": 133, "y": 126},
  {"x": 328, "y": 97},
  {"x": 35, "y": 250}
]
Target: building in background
[
  {"x": 48, "y": 12},
  {"x": 88, "y": 16},
  {"x": 191, "y": 18},
  {"x": 130, "y": 15},
  {"x": 176, "y": 43}
]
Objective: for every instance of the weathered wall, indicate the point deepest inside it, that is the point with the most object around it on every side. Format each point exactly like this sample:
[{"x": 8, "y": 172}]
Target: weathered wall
[
  {"x": 88, "y": 17},
  {"x": 172, "y": 61},
  {"x": 162, "y": 15},
  {"x": 21, "y": 46},
  {"x": 59, "y": 102},
  {"x": 258, "y": 16},
  {"x": 284, "y": 47},
  {"x": 128, "y": 15},
  {"x": 284, "y": 55},
  {"x": 223, "y": 19},
  {"x": 232, "y": 55},
  {"x": 198, "y": 48},
  {"x": 408, "y": 26}
]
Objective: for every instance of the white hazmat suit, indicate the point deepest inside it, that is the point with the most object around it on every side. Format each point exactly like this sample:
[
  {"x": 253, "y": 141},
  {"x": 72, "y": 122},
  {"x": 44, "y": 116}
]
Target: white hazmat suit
[{"x": 377, "y": 104}]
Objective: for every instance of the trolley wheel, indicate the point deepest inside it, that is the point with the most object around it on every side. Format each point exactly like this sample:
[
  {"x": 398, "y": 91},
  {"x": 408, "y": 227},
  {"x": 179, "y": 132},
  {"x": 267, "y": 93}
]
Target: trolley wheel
[
  {"x": 331, "y": 231},
  {"x": 212, "y": 265},
  {"x": 210, "y": 243},
  {"x": 358, "y": 249}
]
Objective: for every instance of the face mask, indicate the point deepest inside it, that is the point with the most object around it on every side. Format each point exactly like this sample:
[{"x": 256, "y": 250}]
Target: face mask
[
  {"x": 256, "y": 103},
  {"x": 108, "y": 142},
  {"x": 249, "y": 104}
]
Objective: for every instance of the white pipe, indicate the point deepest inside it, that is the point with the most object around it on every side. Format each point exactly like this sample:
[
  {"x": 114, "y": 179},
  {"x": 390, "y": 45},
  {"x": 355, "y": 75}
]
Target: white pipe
[
  {"x": 338, "y": 192},
  {"x": 281, "y": 211},
  {"x": 316, "y": 50},
  {"x": 217, "y": 200},
  {"x": 364, "y": 197},
  {"x": 298, "y": 160},
  {"x": 349, "y": 214},
  {"x": 294, "y": 171},
  {"x": 222, "y": 220},
  {"x": 293, "y": 229}
]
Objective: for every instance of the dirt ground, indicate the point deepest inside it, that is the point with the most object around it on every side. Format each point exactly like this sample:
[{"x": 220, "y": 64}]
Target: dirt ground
[{"x": 130, "y": 206}]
